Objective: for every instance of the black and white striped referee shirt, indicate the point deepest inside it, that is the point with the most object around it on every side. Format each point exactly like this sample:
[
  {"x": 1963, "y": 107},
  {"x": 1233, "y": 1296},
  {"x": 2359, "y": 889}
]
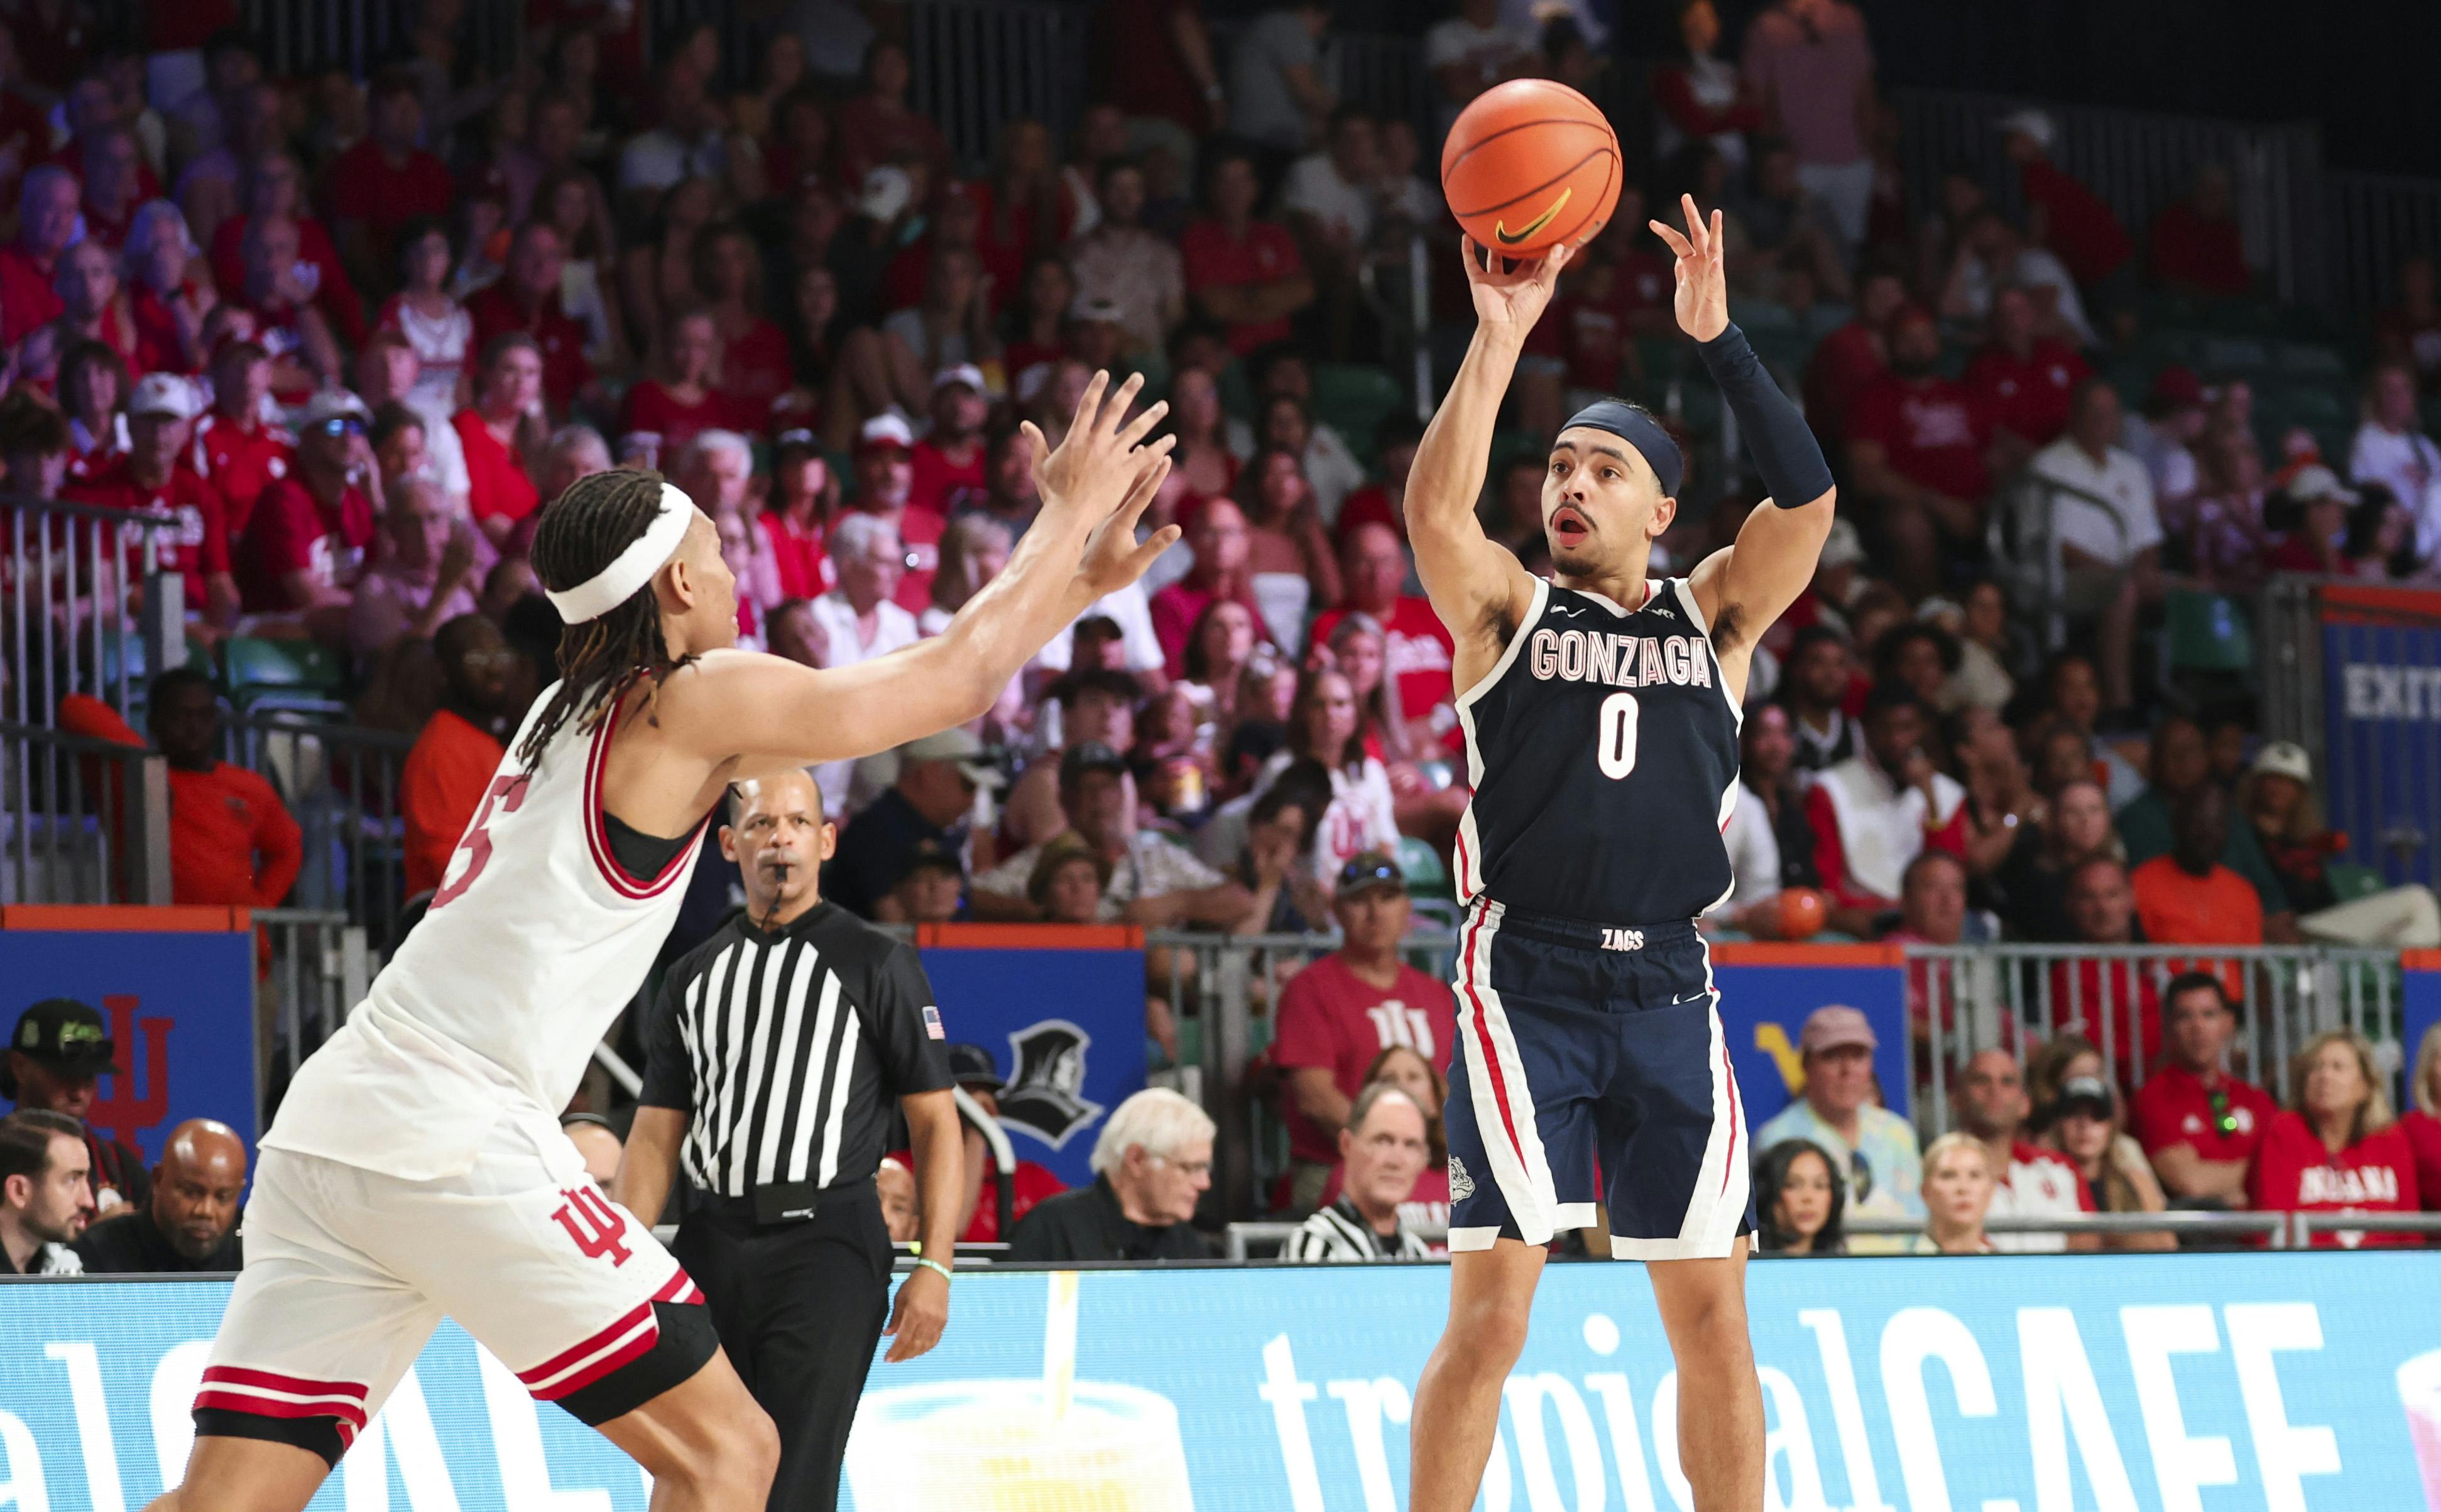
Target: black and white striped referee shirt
[
  {"x": 788, "y": 1050},
  {"x": 1340, "y": 1232}
]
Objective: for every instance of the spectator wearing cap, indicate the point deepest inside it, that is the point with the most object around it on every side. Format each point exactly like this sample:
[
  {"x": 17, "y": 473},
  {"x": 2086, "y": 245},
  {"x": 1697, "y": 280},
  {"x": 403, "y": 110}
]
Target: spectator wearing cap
[
  {"x": 885, "y": 491},
  {"x": 1989, "y": 1102},
  {"x": 190, "y": 1224},
  {"x": 1028, "y": 1183},
  {"x": 1874, "y": 1148},
  {"x": 58, "y": 1052},
  {"x": 1873, "y": 813},
  {"x": 1339, "y": 1013},
  {"x": 237, "y": 450},
  {"x": 423, "y": 574},
  {"x": 951, "y": 456},
  {"x": 1094, "y": 705},
  {"x": 526, "y": 303},
  {"x": 1384, "y": 1148},
  {"x": 2164, "y": 431},
  {"x": 496, "y": 431},
  {"x": 385, "y": 181},
  {"x": 1138, "y": 271},
  {"x": 2022, "y": 379},
  {"x": 933, "y": 888},
  {"x": 47, "y": 1197},
  {"x": 2063, "y": 214},
  {"x": 2107, "y": 529},
  {"x": 2085, "y": 1130},
  {"x": 1921, "y": 445},
  {"x": 2308, "y": 520},
  {"x": 2193, "y": 1118},
  {"x": 1151, "y": 1164},
  {"x": 2336, "y": 1149},
  {"x": 1812, "y": 62},
  {"x": 451, "y": 765},
  {"x": 47, "y": 223},
  {"x": 231, "y": 840},
  {"x": 1154, "y": 882},
  {"x": 2277, "y": 800},
  {"x": 2196, "y": 245},
  {"x": 153, "y": 477},
  {"x": 2389, "y": 448},
  {"x": 928, "y": 802},
  {"x": 306, "y": 539},
  {"x": 1241, "y": 272}
]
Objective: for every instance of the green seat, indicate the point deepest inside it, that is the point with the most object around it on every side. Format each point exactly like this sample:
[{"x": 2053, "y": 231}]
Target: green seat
[
  {"x": 2208, "y": 632},
  {"x": 252, "y": 669},
  {"x": 1426, "y": 875},
  {"x": 2233, "y": 356},
  {"x": 1354, "y": 400},
  {"x": 1237, "y": 392},
  {"x": 1190, "y": 1039},
  {"x": 2350, "y": 882}
]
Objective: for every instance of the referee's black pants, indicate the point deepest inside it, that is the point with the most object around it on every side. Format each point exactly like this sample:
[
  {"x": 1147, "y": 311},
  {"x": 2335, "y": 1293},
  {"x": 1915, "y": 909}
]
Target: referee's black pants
[{"x": 799, "y": 1308}]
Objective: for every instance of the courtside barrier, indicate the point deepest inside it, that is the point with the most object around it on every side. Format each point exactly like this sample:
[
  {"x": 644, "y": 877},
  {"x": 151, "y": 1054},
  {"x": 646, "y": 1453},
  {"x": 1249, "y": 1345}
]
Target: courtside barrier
[{"x": 2290, "y": 1380}]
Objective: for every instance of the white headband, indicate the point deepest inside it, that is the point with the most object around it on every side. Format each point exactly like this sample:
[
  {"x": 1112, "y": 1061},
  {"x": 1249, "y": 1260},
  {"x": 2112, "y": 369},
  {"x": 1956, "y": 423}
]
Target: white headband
[{"x": 633, "y": 567}]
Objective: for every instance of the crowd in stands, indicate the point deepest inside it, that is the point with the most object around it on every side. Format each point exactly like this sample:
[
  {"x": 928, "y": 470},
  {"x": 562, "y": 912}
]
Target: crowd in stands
[{"x": 346, "y": 337}]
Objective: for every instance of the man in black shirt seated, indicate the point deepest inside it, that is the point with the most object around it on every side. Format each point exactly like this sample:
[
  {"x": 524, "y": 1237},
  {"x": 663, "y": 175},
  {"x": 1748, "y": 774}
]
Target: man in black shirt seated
[
  {"x": 1153, "y": 1160},
  {"x": 190, "y": 1222}
]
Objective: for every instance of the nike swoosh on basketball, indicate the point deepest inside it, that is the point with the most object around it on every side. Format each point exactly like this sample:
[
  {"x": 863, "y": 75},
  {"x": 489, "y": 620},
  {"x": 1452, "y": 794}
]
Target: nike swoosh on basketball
[{"x": 1509, "y": 238}]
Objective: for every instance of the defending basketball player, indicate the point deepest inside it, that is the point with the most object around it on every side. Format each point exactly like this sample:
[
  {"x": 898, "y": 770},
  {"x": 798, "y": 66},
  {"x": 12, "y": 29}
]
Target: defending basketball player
[
  {"x": 1601, "y": 711},
  {"x": 417, "y": 1168}
]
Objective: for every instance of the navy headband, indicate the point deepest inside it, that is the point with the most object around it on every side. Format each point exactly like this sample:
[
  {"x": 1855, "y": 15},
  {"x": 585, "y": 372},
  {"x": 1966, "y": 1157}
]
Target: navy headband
[{"x": 1637, "y": 426}]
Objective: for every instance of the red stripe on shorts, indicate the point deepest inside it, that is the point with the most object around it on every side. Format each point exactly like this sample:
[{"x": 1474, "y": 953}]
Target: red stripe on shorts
[
  {"x": 593, "y": 1345},
  {"x": 1483, "y": 1032},
  {"x": 632, "y": 1349}
]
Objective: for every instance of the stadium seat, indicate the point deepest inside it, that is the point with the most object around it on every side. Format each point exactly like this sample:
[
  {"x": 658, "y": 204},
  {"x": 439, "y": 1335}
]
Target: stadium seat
[
  {"x": 2208, "y": 632},
  {"x": 302, "y": 675},
  {"x": 2350, "y": 882},
  {"x": 1354, "y": 401},
  {"x": 1426, "y": 876}
]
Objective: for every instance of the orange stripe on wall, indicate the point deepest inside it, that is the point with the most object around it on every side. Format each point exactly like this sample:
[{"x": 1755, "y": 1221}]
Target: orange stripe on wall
[
  {"x": 124, "y": 919},
  {"x": 1029, "y": 937},
  {"x": 1762, "y": 953}
]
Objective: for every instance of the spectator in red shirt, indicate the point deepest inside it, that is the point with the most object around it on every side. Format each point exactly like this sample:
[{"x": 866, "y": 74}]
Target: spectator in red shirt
[
  {"x": 2422, "y": 1122},
  {"x": 152, "y": 478},
  {"x": 877, "y": 126},
  {"x": 276, "y": 186},
  {"x": 949, "y": 460},
  {"x": 305, "y": 543},
  {"x": 2196, "y": 244},
  {"x": 1338, "y": 1015},
  {"x": 526, "y": 303},
  {"x": 92, "y": 392},
  {"x": 2200, "y": 1124},
  {"x": 497, "y": 430},
  {"x": 2023, "y": 381},
  {"x": 92, "y": 308},
  {"x": 676, "y": 401},
  {"x": 793, "y": 527},
  {"x": 1416, "y": 646},
  {"x": 1242, "y": 272},
  {"x": 972, "y": 1069},
  {"x": 231, "y": 840},
  {"x": 756, "y": 366},
  {"x": 1220, "y": 542},
  {"x": 384, "y": 182},
  {"x": 885, "y": 484},
  {"x": 1920, "y": 445},
  {"x": 46, "y": 222},
  {"x": 1384, "y": 502},
  {"x": 167, "y": 289},
  {"x": 1873, "y": 813},
  {"x": 2061, "y": 213},
  {"x": 2336, "y": 1148},
  {"x": 2111, "y": 994},
  {"x": 455, "y": 756},
  {"x": 1852, "y": 355},
  {"x": 236, "y": 451},
  {"x": 279, "y": 291}
]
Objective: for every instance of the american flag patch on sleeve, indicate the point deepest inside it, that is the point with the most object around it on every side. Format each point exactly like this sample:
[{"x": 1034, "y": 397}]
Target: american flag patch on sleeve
[{"x": 933, "y": 1022}]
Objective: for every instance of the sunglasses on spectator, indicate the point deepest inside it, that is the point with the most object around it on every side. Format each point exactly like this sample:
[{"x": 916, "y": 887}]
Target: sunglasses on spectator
[
  {"x": 341, "y": 426},
  {"x": 1356, "y": 874}
]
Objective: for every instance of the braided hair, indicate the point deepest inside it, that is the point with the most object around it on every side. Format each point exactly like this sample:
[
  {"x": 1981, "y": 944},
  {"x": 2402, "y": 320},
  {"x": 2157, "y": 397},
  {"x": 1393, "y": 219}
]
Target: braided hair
[{"x": 581, "y": 532}]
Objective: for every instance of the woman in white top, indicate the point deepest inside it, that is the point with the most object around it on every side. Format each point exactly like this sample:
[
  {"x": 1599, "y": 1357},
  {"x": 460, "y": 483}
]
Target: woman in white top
[
  {"x": 2391, "y": 450},
  {"x": 1362, "y": 816},
  {"x": 435, "y": 324},
  {"x": 1289, "y": 558}
]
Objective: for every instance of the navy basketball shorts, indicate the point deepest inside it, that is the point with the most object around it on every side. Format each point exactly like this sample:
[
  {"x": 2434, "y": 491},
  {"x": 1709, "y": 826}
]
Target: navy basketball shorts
[{"x": 1593, "y": 1053}]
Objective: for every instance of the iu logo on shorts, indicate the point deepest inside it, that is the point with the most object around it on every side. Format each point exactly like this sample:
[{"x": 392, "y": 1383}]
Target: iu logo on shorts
[{"x": 593, "y": 1223}]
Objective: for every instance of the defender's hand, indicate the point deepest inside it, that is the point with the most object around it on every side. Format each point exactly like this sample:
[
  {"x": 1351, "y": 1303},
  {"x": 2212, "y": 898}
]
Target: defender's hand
[
  {"x": 1093, "y": 469},
  {"x": 1703, "y": 303},
  {"x": 1516, "y": 296},
  {"x": 918, "y": 1316},
  {"x": 1112, "y": 559}
]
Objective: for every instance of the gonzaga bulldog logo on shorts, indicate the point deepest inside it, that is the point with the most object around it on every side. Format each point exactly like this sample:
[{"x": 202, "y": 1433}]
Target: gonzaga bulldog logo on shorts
[
  {"x": 1461, "y": 1184},
  {"x": 1044, "y": 1096}
]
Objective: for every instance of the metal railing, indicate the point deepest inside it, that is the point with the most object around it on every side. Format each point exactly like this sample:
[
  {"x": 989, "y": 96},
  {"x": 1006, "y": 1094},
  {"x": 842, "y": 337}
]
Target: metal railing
[
  {"x": 86, "y": 607},
  {"x": 982, "y": 63},
  {"x": 315, "y": 968},
  {"x": 341, "y": 783},
  {"x": 86, "y": 820}
]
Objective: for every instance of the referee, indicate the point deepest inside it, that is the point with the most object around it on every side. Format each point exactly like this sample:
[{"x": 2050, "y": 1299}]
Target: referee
[{"x": 771, "y": 1058}]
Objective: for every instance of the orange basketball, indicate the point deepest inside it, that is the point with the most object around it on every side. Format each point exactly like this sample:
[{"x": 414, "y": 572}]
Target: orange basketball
[
  {"x": 1529, "y": 165},
  {"x": 1802, "y": 914}
]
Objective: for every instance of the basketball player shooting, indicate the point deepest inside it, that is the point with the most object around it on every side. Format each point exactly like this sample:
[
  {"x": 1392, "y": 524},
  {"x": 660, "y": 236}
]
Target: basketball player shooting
[
  {"x": 1601, "y": 710},
  {"x": 417, "y": 1168}
]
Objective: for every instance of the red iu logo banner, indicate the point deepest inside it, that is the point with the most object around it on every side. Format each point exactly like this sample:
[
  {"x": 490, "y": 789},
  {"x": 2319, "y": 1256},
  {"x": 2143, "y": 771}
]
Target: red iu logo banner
[
  {"x": 124, "y": 1114},
  {"x": 593, "y": 1223}
]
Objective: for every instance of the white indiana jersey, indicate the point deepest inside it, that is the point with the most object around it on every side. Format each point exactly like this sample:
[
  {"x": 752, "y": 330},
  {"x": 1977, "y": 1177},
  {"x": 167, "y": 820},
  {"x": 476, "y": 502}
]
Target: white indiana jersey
[{"x": 535, "y": 940}]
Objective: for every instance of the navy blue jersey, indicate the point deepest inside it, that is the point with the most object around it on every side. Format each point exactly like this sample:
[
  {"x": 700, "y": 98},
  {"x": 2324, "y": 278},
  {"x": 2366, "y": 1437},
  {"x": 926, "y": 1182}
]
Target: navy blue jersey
[{"x": 1603, "y": 749}]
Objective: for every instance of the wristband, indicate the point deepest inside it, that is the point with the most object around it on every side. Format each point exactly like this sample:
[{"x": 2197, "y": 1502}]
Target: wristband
[
  {"x": 1787, "y": 455},
  {"x": 935, "y": 1265}
]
